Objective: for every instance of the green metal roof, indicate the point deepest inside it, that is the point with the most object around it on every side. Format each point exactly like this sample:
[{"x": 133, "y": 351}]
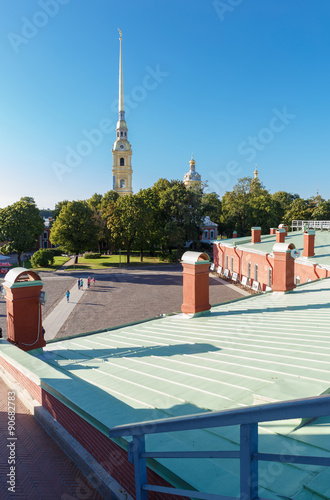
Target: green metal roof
[
  {"x": 253, "y": 350},
  {"x": 322, "y": 245}
]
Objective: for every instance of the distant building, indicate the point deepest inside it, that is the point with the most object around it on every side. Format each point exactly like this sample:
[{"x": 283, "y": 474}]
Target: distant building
[
  {"x": 44, "y": 238},
  {"x": 251, "y": 258},
  {"x": 192, "y": 178},
  {"x": 209, "y": 230}
]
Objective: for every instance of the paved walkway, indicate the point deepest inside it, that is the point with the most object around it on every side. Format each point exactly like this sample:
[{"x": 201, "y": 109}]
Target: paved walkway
[
  {"x": 42, "y": 470},
  {"x": 56, "y": 319}
]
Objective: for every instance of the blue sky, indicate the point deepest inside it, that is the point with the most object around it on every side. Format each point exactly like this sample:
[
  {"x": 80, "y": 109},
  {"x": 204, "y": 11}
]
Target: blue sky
[{"x": 236, "y": 82}]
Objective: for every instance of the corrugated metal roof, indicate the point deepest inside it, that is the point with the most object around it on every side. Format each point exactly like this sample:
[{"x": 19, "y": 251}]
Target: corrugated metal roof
[{"x": 261, "y": 348}]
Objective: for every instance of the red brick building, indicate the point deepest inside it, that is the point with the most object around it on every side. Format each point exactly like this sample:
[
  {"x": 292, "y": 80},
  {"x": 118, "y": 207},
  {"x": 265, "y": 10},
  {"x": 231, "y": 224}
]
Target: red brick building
[{"x": 251, "y": 259}]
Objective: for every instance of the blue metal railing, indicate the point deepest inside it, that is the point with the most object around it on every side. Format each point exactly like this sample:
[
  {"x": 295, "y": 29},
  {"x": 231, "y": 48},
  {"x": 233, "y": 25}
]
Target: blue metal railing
[{"x": 248, "y": 455}]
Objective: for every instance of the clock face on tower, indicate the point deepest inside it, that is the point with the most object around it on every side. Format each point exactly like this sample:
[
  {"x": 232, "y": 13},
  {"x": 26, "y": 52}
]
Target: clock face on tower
[{"x": 122, "y": 146}]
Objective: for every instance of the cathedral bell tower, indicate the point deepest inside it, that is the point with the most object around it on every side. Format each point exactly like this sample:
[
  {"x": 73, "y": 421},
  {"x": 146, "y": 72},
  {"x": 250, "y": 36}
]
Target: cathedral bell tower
[{"x": 122, "y": 151}]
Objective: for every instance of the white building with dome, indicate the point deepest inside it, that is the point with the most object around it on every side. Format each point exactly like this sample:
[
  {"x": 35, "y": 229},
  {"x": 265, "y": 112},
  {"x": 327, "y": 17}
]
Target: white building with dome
[{"x": 192, "y": 178}]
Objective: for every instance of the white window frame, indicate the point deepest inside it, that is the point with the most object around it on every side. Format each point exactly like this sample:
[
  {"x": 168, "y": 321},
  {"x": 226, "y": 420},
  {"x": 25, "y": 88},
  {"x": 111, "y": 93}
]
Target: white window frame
[{"x": 270, "y": 276}]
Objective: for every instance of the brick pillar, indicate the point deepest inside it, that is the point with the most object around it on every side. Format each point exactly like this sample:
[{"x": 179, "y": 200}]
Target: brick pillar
[
  {"x": 195, "y": 282},
  {"x": 280, "y": 235},
  {"x": 255, "y": 234},
  {"x": 272, "y": 230},
  {"x": 309, "y": 242},
  {"x": 24, "y": 320},
  {"x": 283, "y": 275},
  {"x": 285, "y": 227}
]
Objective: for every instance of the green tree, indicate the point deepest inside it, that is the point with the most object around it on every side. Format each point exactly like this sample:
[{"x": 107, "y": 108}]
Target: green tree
[
  {"x": 58, "y": 208},
  {"x": 248, "y": 205},
  {"x": 283, "y": 201},
  {"x": 236, "y": 209},
  {"x": 74, "y": 228},
  {"x": 123, "y": 220},
  {"x": 211, "y": 207},
  {"x": 321, "y": 210},
  {"x": 147, "y": 227},
  {"x": 299, "y": 209},
  {"x": 180, "y": 214},
  {"x": 42, "y": 258},
  {"x": 20, "y": 226}
]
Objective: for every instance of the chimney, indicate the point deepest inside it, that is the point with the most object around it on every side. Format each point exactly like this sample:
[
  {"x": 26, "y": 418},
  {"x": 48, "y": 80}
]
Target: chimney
[
  {"x": 234, "y": 234},
  {"x": 256, "y": 234},
  {"x": 22, "y": 291},
  {"x": 309, "y": 241},
  {"x": 285, "y": 227},
  {"x": 280, "y": 235},
  {"x": 283, "y": 278},
  {"x": 195, "y": 282},
  {"x": 272, "y": 230}
]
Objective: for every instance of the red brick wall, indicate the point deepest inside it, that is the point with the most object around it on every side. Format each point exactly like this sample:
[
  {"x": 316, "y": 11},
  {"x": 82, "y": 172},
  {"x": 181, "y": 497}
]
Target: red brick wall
[
  {"x": 112, "y": 458},
  {"x": 242, "y": 257}
]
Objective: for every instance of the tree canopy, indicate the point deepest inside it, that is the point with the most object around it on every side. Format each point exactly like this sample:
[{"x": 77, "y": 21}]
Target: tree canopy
[
  {"x": 20, "y": 226},
  {"x": 74, "y": 228}
]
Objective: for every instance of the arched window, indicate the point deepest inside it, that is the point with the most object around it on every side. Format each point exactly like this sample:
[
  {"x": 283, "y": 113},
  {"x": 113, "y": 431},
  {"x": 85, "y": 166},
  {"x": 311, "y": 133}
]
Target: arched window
[
  {"x": 117, "y": 134},
  {"x": 249, "y": 270},
  {"x": 232, "y": 264},
  {"x": 122, "y": 162},
  {"x": 121, "y": 134},
  {"x": 255, "y": 272},
  {"x": 122, "y": 183},
  {"x": 206, "y": 234},
  {"x": 211, "y": 234},
  {"x": 226, "y": 261},
  {"x": 45, "y": 244}
]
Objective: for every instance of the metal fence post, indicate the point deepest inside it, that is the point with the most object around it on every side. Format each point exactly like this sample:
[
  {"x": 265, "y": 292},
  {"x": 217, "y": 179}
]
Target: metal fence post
[
  {"x": 248, "y": 465},
  {"x": 140, "y": 467}
]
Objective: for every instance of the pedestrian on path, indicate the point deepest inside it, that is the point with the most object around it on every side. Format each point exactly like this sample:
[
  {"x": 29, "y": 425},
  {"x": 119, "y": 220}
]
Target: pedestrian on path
[
  {"x": 88, "y": 281},
  {"x": 78, "y": 283},
  {"x": 67, "y": 294},
  {"x": 81, "y": 283},
  {"x": 93, "y": 280}
]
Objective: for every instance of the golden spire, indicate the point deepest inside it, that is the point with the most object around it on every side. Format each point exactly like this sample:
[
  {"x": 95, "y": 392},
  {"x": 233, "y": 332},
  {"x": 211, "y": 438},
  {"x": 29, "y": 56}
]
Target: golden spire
[
  {"x": 121, "y": 80},
  {"x": 256, "y": 173}
]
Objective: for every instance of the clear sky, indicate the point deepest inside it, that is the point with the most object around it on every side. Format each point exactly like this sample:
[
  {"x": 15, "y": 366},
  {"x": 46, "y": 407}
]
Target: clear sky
[{"x": 236, "y": 82}]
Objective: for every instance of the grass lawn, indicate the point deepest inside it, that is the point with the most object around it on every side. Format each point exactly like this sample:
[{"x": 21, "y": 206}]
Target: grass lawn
[
  {"x": 58, "y": 261},
  {"x": 113, "y": 261}
]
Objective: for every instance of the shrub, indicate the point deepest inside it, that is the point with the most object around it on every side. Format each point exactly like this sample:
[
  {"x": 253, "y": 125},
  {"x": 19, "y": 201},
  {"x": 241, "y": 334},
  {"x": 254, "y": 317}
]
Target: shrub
[
  {"x": 42, "y": 258},
  {"x": 91, "y": 255},
  {"x": 56, "y": 251},
  {"x": 167, "y": 257}
]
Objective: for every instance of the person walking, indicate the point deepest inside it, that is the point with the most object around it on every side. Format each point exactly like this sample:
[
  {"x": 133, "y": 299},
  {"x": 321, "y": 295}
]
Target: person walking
[
  {"x": 93, "y": 280},
  {"x": 88, "y": 281},
  {"x": 67, "y": 294},
  {"x": 81, "y": 283},
  {"x": 78, "y": 283}
]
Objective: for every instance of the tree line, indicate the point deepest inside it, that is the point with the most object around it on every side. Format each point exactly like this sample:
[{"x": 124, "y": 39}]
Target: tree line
[{"x": 163, "y": 217}]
